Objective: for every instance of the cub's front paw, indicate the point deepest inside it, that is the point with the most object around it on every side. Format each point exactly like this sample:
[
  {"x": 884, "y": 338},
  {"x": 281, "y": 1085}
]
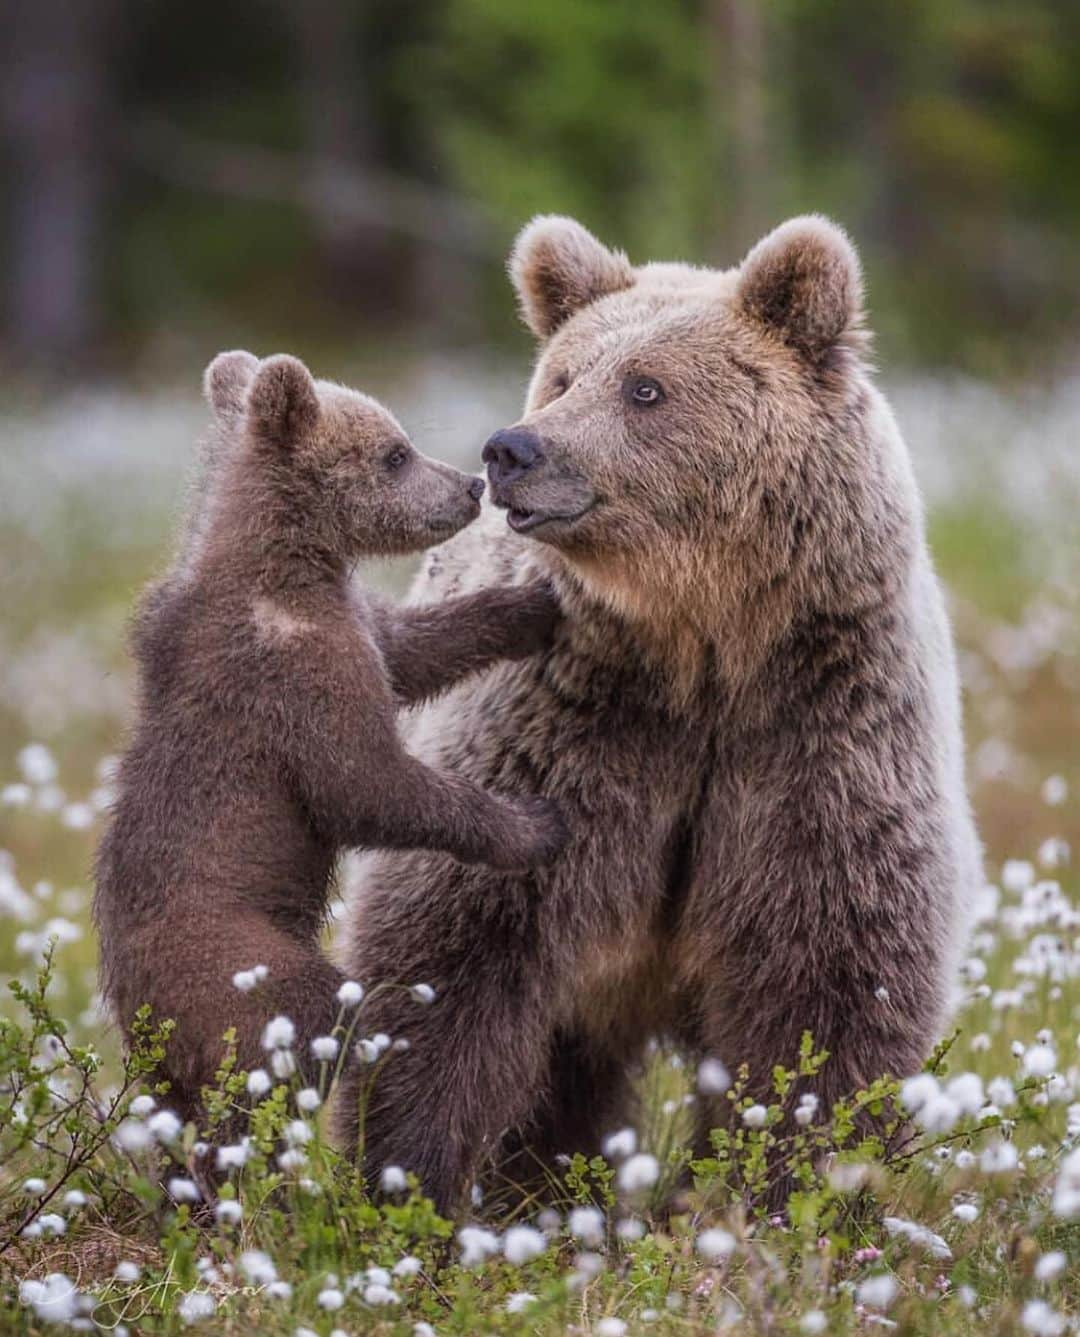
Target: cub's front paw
[
  {"x": 537, "y": 836},
  {"x": 536, "y": 615}
]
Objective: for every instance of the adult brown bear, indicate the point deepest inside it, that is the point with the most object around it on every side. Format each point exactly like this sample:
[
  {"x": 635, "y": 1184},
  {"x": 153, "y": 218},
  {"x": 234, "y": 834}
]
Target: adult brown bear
[{"x": 749, "y": 719}]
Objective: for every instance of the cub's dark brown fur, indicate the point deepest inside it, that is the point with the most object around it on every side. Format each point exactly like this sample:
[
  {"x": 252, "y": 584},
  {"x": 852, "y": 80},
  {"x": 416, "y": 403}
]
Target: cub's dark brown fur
[{"x": 266, "y": 740}]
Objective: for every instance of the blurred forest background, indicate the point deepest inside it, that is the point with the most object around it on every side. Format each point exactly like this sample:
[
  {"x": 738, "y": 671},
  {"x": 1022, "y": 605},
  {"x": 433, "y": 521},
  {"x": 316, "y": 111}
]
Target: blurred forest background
[{"x": 183, "y": 177}]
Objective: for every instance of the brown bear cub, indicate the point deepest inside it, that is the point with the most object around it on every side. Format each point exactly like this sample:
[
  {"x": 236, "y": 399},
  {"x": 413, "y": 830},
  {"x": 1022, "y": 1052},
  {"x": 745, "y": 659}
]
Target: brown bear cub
[{"x": 266, "y": 740}]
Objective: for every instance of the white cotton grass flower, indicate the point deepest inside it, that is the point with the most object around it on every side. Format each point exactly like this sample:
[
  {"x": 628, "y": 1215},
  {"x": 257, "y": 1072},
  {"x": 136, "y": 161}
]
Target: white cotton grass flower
[
  {"x": 1050, "y": 1266},
  {"x": 258, "y": 1082},
  {"x": 229, "y": 1212},
  {"x": 477, "y": 1245},
  {"x": 713, "y": 1079},
  {"x": 132, "y": 1136},
  {"x": 877, "y": 1292},
  {"x": 586, "y": 1224},
  {"x": 142, "y": 1106},
  {"x": 77, "y": 816},
  {"x": 519, "y": 1302},
  {"x": 630, "y": 1228},
  {"x": 54, "y": 1300},
  {"x": 813, "y": 1322},
  {"x": 966, "y": 1212},
  {"x": 165, "y": 1126},
  {"x": 378, "y": 1294},
  {"x": 1001, "y": 1092},
  {"x": 182, "y": 1189},
  {"x": 610, "y": 1327},
  {"x": 51, "y": 1223},
  {"x": 279, "y": 1290},
  {"x": 195, "y": 1307},
  {"x": 639, "y": 1172},
  {"x": 283, "y": 1064},
  {"x": 34, "y": 1187},
  {"x": 37, "y": 765},
  {"x": 521, "y": 1244},
  {"x": 325, "y": 1048},
  {"x": 1055, "y": 790},
  {"x": 920, "y": 1237},
  {"x": 393, "y": 1180},
  {"x": 367, "y": 1051},
  {"x": 998, "y": 1158},
  {"x": 806, "y": 1109},
  {"x": 330, "y": 1298},
  {"x": 350, "y": 994},
  {"x": 1039, "y": 1061},
  {"x": 74, "y": 1199},
  {"x": 966, "y": 1092},
  {"x": 233, "y": 1155},
  {"x": 1017, "y": 875},
  {"x": 423, "y": 1330},
  {"x": 15, "y": 796},
  {"x": 257, "y": 1267},
  {"x": 308, "y": 1100},
  {"x": 422, "y": 993},
  {"x": 1037, "y": 1317},
  {"x": 755, "y": 1116},
  {"x": 279, "y": 1033},
  {"x": 1065, "y": 1203},
  {"x": 408, "y": 1266},
  {"x": 715, "y": 1244},
  {"x": 127, "y": 1271},
  {"x": 244, "y": 980},
  {"x": 620, "y": 1145}
]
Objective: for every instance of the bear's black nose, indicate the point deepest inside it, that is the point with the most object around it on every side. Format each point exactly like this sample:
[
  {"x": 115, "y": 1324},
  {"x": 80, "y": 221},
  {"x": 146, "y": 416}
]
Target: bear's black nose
[
  {"x": 510, "y": 453},
  {"x": 476, "y": 488}
]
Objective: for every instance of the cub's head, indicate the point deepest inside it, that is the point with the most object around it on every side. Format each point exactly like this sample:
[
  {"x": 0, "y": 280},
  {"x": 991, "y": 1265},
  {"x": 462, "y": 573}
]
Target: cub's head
[
  {"x": 339, "y": 459},
  {"x": 686, "y": 430}
]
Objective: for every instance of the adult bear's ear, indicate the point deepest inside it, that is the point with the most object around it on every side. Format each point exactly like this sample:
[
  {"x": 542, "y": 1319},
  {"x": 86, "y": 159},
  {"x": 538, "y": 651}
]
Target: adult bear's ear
[
  {"x": 557, "y": 267},
  {"x": 283, "y": 404},
  {"x": 226, "y": 381},
  {"x": 804, "y": 281}
]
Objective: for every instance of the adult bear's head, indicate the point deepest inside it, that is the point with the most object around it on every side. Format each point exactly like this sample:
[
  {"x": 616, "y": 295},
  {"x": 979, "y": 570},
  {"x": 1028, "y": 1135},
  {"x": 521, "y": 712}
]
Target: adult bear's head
[{"x": 692, "y": 437}]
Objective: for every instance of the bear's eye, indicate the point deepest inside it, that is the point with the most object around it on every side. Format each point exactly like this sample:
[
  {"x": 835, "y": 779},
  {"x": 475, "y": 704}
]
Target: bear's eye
[
  {"x": 396, "y": 456},
  {"x": 561, "y": 383},
  {"x": 644, "y": 390}
]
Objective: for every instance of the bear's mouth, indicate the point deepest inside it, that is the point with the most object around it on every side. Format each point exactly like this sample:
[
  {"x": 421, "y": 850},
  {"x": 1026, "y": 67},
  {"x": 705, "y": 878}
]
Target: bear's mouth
[{"x": 524, "y": 521}]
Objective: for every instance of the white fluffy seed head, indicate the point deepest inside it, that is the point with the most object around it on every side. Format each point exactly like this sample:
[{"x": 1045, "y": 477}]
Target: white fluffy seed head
[
  {"x": 638, "y": 1173},
  {"x": 713, "y": 1079},
  {"x": 350, "y": 994},
  {"x": 325, "y": 1048},
  {"x": 620, "y": 1145},
  {"x": 521, "y": 1244},
  {"x": 393, "y": 1180},
  {"x": 279, "y": 1033},
  {"x": 716, "y": 1244}
]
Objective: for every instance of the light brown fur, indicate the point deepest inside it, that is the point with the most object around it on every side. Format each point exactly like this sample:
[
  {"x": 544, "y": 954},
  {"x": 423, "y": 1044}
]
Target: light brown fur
[{"x": 749, "y": 717}]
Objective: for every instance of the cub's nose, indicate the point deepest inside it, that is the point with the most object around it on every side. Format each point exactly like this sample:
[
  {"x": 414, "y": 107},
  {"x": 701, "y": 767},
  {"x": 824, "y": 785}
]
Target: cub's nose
[
  {"x": 510, "y": 453},
  {"x": 476, "y": 488}
]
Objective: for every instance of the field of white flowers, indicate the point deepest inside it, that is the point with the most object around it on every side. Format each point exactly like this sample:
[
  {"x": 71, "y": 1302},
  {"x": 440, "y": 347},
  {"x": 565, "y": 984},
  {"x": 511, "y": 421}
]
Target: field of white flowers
[{"x": 968, "y": 1225}]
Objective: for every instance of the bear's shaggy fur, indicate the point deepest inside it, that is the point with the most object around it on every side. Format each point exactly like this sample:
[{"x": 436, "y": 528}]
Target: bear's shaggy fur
[
  {"x": 266, "y": 740},
  {"x": 749, "y": 718}
]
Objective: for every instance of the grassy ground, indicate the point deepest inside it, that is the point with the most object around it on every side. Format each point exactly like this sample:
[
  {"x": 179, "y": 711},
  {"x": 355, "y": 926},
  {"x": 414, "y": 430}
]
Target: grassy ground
[{"x": 972, "y": 1229}]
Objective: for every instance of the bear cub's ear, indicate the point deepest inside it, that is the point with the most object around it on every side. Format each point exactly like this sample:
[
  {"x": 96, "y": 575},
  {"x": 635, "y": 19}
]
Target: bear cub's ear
[
  {"x": 557, "y": 267},
  {"x": 283, "y": 404},
  {"x": 804, "y": 281},
  {"x": 226, "y": 381}
]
